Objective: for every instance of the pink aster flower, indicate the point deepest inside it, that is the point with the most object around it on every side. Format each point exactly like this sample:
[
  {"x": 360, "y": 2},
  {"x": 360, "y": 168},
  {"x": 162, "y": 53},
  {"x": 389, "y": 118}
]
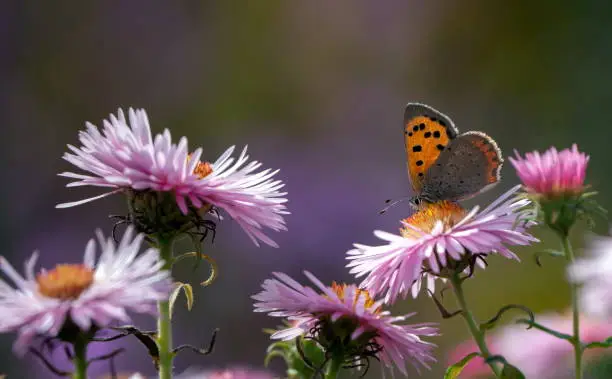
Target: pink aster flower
[
  {"x": 438, "y": 240},
  {"x": 595, "y": 273},
  {"x": 126, "y": 157},
  {"x": 535, "y": 353},
  {"x": 365, "y": 323},
  {"x": 88, "y": 294},
  {"x": 552, "y": 173}
]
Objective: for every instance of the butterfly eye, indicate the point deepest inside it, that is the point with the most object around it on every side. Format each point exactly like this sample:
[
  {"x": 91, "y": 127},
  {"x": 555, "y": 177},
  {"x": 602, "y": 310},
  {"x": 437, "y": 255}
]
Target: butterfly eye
[{"x": 415, "y": 202}]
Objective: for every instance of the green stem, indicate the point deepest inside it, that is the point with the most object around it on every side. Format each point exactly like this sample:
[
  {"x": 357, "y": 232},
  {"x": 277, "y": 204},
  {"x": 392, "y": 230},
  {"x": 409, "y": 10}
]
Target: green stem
[
  {"x": 334, "y": 367},
  {"x": 569, "y": 254},
  {"x": 164, "y": 327},
  {"x": 477, "y": 334},
  {"x": 80, "y": 358}
]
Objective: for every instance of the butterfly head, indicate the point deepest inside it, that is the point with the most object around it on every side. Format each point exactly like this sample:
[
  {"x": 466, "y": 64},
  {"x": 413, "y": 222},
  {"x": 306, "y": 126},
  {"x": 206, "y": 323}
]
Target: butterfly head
[{"x": 419, "y": 201}]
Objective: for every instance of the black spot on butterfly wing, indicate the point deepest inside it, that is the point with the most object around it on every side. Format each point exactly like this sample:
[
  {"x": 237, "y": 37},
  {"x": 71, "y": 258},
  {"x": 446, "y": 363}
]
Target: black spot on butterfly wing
[{"x": 413, "y": 110}]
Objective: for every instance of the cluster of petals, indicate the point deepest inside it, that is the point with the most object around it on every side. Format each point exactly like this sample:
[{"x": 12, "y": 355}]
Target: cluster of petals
[
  {"x": 125, "y": 155},
  {"x": 536, "y": 353},
  {"x": 396, "y": 267},
  {"x": 594, "y": 272},
  {"x": 123, "y": 280},
  {"x": 553, "y": 172},
  {"x": 284, "y": 297}
]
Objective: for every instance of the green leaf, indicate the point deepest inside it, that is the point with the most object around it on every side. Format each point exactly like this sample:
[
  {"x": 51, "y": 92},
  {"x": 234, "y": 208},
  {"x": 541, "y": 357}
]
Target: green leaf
[
  {"x": 187, "y": 290},
  {"x": 453, "y": 371},
  {"x": 511, "y": 372}
]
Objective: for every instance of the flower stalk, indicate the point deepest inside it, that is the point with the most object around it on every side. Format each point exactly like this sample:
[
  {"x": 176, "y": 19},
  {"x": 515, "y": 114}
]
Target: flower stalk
[
  {"x": 164, "y": 326},
  {"x": 475, "y": 330},
  {"x": 334, "y": 367},
  {"x": 80, "y": 358},
  {"x": 578, "y": 350}
]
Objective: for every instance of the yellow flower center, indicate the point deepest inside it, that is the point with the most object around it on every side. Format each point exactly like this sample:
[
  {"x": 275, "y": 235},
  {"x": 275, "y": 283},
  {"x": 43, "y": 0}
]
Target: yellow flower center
[
  {"x": 65, "y": 281},
  {"x": 368, "y": 302},
  {"x": 430, "y": 213}
]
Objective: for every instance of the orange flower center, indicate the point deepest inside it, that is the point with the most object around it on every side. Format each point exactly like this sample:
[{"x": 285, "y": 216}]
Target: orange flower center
[
  {"x": 65, "y": 281},
  {"x": 203, "y": 169},
  {"x": 368, "y": 302},
  {"x": 430, "y": 213}
]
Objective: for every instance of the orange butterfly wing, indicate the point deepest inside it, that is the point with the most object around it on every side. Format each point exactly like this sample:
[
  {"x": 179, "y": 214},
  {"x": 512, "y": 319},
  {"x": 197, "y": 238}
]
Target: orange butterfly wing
[{"x": 426, "y": 133}]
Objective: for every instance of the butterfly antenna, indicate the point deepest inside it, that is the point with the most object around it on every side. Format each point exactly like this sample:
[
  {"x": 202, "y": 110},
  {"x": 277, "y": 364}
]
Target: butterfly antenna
[{"x": 393, "y": 203}]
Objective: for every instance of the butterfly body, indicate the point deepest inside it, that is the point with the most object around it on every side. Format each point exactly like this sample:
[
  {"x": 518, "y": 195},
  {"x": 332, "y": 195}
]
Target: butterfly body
[{"x": 443, "y": 164}]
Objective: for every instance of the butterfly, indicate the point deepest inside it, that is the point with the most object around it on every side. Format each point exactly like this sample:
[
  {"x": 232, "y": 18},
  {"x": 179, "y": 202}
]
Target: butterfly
[{"x": 443, "y": 164}]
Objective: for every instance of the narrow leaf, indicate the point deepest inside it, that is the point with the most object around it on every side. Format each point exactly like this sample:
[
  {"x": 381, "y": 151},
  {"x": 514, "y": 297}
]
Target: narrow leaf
[
  {"x": 549, "y": 252},
  {"x": 453, "y": 371},
  {"x": 187, "y": 290},
  {"x": 492, "y": 322},
  {"x": 604, "y": 344},
  {"x": 535, "y": 325}
]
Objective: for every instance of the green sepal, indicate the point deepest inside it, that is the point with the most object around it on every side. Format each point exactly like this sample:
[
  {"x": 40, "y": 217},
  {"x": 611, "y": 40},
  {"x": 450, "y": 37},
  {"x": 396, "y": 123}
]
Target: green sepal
[{"x": 297, "y": 367}]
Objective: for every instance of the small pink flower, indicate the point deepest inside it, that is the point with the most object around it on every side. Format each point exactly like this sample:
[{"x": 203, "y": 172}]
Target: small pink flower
[
  {"x": 125, "y": 156},
  {"x": 90, "y": 294},
  {"x": 284, "y": 297},
  {"x": 594, "y": 272},
  {"x": 552, "y": 173},
  {"x": 535, "y": 353},
  {"x": 440, "y": 237}
]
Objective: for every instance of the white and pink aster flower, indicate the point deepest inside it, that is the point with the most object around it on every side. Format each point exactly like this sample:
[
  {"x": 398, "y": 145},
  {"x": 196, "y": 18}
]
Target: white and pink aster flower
[
  {"x": 88, "y": 294},
  {"x": 536, "y": 353},
  {"x": 553, "y": 172},
  {"x": 438, "y": 238},
  {"x": 594, "y": 272},
  {"x": 400, "y": 343},
  {"x": 126, "y": 156}
]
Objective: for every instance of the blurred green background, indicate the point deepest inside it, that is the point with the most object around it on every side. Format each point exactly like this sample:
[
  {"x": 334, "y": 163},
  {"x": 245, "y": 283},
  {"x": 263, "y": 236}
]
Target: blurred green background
[{"x": 314, "y": 88}]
